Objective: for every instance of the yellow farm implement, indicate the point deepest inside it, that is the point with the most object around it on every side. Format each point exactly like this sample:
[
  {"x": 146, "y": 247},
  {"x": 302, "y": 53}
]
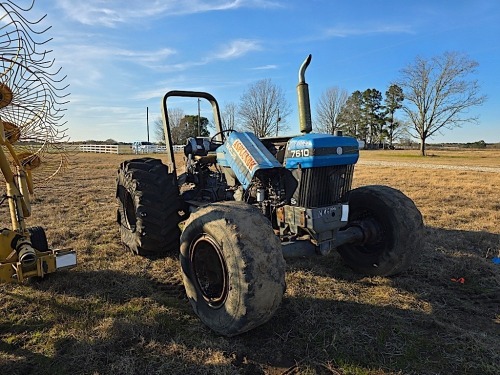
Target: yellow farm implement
[{"x": 30, "y": 115}]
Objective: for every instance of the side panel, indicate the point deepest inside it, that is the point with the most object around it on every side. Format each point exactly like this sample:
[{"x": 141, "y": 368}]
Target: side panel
[{"x": 245, "y": 154}]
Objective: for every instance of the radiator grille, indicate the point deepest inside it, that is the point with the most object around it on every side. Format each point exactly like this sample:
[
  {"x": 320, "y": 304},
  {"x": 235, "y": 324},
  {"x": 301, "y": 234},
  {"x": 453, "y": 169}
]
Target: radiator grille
[{"x": 323, "y": 186}]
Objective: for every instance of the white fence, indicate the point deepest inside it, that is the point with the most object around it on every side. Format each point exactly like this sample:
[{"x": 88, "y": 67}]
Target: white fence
[
  {"x": 101, "y": 149},
  {"x": 124, "y": 149}
]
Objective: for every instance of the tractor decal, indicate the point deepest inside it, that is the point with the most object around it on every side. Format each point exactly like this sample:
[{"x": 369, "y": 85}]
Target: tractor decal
[{"x": 244, "y": 155}]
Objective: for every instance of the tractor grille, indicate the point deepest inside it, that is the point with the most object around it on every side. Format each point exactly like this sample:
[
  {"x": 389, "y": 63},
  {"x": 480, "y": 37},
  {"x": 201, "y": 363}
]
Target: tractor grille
[{"x": 322, "y": 186}]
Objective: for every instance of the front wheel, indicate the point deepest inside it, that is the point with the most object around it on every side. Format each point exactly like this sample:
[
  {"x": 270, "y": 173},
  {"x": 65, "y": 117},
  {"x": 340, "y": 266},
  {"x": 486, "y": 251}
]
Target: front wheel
[
  {"x": 393, "y": 229},
  {"x": 233, "y": 268}
]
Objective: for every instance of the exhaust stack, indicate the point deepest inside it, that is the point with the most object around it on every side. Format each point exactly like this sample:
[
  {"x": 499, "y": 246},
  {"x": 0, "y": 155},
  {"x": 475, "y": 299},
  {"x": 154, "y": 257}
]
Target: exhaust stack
[{"x": 303, "y": 97}]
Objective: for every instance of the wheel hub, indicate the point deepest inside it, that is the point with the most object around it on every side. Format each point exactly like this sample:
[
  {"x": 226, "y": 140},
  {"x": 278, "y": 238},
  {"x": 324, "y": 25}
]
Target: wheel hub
[
  {"x": 129, "y": 209},
  {"x": 372, "y": 232},
  {"x": 209, "y": 270}
]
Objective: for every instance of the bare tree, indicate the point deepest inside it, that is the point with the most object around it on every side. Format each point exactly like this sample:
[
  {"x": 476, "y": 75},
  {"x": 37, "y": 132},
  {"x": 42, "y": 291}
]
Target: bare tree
[
  {"x": 158, "y": 130},
  {"x": 263, "y": 109},
  {"x": 400, "y": 130},
  {"x": 175, "y": 115},
  {"x": 328, "y": 109},
  {"x": 229, "y": 116},
  {"x": 438, "y": 94}
]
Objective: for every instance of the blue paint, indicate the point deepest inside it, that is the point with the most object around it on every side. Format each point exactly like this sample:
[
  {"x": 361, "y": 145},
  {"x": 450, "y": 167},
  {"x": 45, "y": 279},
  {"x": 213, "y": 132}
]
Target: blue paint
[
  {"x": 245, "y": 154},
  {"x": 321, "y": 150}
]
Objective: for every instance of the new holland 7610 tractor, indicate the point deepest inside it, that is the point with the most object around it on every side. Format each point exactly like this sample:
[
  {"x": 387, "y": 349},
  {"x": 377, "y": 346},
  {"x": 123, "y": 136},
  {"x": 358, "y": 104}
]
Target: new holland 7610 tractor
[{"x": 245, "y": 203}]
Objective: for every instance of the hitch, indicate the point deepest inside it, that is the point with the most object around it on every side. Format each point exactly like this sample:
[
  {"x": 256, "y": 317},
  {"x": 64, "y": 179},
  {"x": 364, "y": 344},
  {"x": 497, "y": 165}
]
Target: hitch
[{"x": 19, "y": 260}]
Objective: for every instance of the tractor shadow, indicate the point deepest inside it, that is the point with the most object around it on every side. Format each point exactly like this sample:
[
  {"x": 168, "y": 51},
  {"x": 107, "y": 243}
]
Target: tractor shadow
[
  {"x": 379, "y": 322},
  {"x": 443, "y": 254},
  {"x": 108, "y": 321}
]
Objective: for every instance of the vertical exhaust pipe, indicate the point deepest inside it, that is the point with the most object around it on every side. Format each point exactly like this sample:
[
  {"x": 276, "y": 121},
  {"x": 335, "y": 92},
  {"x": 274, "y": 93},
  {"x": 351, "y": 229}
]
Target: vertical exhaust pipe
[{"x": 303, "y": 97}]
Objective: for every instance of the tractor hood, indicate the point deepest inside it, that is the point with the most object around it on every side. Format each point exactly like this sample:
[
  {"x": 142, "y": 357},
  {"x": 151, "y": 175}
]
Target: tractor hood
[
  {"x": 245, "y": 154},
  {"x": 320, "y": 150}
]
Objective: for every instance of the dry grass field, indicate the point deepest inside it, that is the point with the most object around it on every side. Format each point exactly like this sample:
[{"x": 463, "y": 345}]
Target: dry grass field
[{"x": 120, "y": 314}]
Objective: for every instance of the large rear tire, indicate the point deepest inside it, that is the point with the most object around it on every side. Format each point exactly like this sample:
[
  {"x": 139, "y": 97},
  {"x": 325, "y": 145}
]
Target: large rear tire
[
  {"x": 393, "y": 230},
  {"x": 148, "y": 205},
  {"x": 233, "y": 267}
]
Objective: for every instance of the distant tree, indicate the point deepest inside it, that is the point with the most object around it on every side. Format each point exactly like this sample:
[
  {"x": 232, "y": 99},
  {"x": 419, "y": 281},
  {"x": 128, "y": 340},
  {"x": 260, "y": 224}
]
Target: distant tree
[
  {"x": 189, "y": 128},
  {"x": 393, "y": 101},
  {"x": 478, "y": 144},
  {"x": 229, "y": 115},
  {"x": 350, "y": 117},
  {"x": 175, "y": 115},
  {"x": 400, "y": 130},
  {"x": 263, "y": 109},
  {"x": 439, "y": 94},
  {"x": 373, "y": 114},
  {"x": 110, "y": 141},
  {"x": 328, "y": 108},
  {"x": 406, "y": 141},
  {"x": 159, "y": 131}
]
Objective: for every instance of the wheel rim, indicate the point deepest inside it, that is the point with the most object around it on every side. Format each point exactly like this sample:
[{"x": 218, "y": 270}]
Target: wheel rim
[
  {"x": 209, "y": 270},
  {"x": 376, "y": 234},
  {"x": 129, "y": 210}
]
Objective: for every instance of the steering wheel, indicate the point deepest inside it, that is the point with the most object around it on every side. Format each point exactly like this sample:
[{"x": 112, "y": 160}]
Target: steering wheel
[{"x": 217, "y": 142}]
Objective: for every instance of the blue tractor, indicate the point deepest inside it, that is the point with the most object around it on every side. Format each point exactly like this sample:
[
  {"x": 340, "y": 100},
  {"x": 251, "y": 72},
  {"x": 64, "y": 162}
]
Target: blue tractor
[{"x": 243, "y": 204}]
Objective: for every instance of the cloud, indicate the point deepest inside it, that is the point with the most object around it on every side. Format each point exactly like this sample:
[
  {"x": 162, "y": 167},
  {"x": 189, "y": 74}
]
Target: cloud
[
  {"x": 89, "y": 62},
  {"x": 266, "y": 67},
  {"x": 161, "y": 87},
  {"x": 342, "y": 32},
  {"x": 235, "y": 49},
  {"x": 92, "y": 64},
  {"x": 109, "y": 13},
  {"x": 232, "y": 50},
  {"x": 147, "y": 58}
]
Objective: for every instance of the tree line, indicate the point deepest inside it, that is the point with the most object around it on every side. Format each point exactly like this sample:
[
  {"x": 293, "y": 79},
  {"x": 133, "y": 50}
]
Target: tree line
[
  {"x": 430, "y": 96},
  {"x": 364, "y": 115}
]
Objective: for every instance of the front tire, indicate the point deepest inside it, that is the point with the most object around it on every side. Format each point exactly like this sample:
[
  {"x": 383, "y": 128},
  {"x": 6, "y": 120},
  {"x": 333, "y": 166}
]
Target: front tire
[
  {"x": 148, "y": 205},
  {"x": 233, "y": 267},
  {"x": 393, "y": 230}
]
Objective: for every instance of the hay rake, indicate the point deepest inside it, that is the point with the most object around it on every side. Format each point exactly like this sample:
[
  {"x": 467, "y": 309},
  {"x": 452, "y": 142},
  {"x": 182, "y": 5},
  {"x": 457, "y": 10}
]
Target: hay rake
[{"x": 32, "y": 136}]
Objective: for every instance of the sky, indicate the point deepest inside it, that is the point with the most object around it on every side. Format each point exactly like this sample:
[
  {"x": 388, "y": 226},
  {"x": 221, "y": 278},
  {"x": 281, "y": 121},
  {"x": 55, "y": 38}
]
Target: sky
[{"x": 122, "y": 56}]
